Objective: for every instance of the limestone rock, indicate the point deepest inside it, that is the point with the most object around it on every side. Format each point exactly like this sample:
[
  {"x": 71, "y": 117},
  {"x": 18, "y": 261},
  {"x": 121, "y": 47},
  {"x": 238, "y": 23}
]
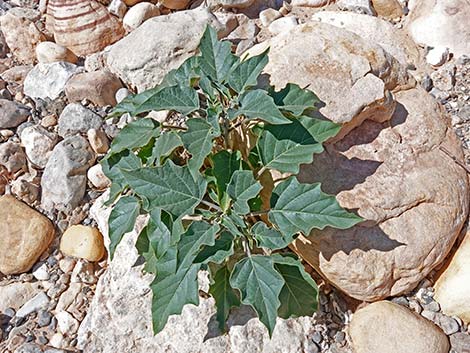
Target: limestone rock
[
  {"x": 117, "y": 8},
  {"x": 39, "y": 301},
  {"x": 413, "y": 196},
  {"x": 12, "y": 156},
  {"x": 350, "y": 75},
  {"x": 283, "y": 24},
  {"x": 38, "y": 144},
  {"x": 24, "y": 235},
  {"x": 48, "y": 80},
  {"x": 75, "y": 119},
  {"x": 66, "y": 323},
  {"x": 97, "y": 177},
  {"x": 232, "y": 4},
  {"x": 83, "y": 242},
  {"x": 386, "y": 327},
  {"x": 452, "y": 289},
  {"x": 98, "y": 140},
  {"x": 141, "y": 61},
  {"x": 16, "y": 74},
  {"x": 12, "y": 114},
  {"x": 138, "y": 14},
  {"x": 119, "y": 319},
  {"x": 375, "y": 30},
  {"x": 22, "y": 36},
  {"x": 50, "y": 52},
  {"x": 84, "y": 27},
  {"x": 99, "y": 87},
  {"x": 14, "y": 295},
  {"x": 359, "y": 6},
  {"x": 64, "y": 179},
  {"x": 441, "y": 23},
  {"x": 310, "y": 3}
]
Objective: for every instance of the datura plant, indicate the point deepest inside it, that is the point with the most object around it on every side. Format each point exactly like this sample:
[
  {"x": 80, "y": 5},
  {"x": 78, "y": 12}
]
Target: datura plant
[{"x": 219, "y": 186}]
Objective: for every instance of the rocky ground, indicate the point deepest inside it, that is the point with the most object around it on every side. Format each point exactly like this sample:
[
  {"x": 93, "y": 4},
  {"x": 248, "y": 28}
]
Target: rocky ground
[{"x": 64, "y": 65}]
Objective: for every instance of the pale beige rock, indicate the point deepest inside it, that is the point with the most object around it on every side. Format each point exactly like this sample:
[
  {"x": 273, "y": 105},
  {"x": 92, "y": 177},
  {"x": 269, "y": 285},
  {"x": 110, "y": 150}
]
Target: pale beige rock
[
  {"x": 49, "y": 52},
  {"x": 350, "y": 75},
  {"x": 99, "y": 87},
  {"x": 85, "y": 27},
  {"x": 98, "y": 141},
  {"x": 310, "y": 3},
  {"x": 413, "y": 196},
  {"x": 386, "y": 327},
  {"x": 375, "y": 30},
  {"x": 452, "y": 289},
  {"x": 67, "y": 298},
  {"x": 14, "y": 295},
  {"x": 138, "y": 14},
  {"x": 441, "y": 23},
  {"x": 24, "y": 235},
  {"x": 141, "y": 60},
  {"x": 22, "y": 37},
  {"x": 83, "y": 242},
  {"x": 97, "y": 178},
  {"x": 390, "y": 9},
  {"x": 119, "y": 318}
]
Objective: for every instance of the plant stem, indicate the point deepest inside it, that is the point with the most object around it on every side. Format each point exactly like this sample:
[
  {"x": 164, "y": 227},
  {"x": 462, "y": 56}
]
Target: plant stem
[
  {"x": 165, "y": 126},
  {"x": 261, "y": 171},
  {"x": 258, "y": 213},
  {"x": 246, "y": 247},
  {"x": 211, "y": 205}
]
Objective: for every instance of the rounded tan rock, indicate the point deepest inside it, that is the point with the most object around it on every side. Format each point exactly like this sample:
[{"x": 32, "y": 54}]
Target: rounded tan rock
[
  {"x": 83, "y": 242},
  {"x": 138, "y": 14},
  {"x": 85, "y": 27},
  {"x": 386, "y": 327},
  {"x": 175, "y": 4},
  {"x": 49, "y": 52},
  {"x": 24, "y": 235}
]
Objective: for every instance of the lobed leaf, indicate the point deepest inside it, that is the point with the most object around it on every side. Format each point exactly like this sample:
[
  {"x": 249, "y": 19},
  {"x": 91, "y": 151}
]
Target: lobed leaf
[
  {"x": 297, "y": 207},
  {"x": 135, "y": 134},
  {"x": 222, "y": 248},
  {"x": 245, "y": 74},
  {"x": 260, "y": 285},
  {"x": 164, "y": 146},
  {"x": 121, "y": 220},
  {"x": 270, "y": 238},
  {"x": 169, "y": 187},
  {"x": 241, "y": 189},
  {"x": 295, "y": 99}
]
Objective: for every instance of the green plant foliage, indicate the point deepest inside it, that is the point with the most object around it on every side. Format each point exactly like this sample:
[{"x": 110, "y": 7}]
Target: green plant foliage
[{"x": 202, "y": 184}]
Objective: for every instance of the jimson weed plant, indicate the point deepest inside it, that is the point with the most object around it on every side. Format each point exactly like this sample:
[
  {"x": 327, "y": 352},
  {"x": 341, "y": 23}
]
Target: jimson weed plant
[{"x": 220, "y": 189}]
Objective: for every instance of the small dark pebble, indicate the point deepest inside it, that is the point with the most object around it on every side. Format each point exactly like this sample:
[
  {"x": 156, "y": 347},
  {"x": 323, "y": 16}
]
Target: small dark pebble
[{"x": 44, "y": 318}]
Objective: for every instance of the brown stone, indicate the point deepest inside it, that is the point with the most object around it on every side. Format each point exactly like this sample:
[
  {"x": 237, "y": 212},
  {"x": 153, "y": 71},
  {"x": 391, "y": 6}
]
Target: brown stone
[
  {"x": 99, "y": 87},
  {"x": 389, "y": 9},
  {"x": 24, "y": 235}
]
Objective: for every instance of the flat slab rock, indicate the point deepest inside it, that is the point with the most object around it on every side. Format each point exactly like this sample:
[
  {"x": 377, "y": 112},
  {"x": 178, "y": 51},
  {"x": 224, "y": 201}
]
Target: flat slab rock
[
  {"x": 119, "y": 318},
  {"x": 414, "y": 197}
]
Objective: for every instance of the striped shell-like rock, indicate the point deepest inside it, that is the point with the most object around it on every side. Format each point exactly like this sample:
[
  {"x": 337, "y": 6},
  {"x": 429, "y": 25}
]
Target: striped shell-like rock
[{"x": 83, "y": 26}]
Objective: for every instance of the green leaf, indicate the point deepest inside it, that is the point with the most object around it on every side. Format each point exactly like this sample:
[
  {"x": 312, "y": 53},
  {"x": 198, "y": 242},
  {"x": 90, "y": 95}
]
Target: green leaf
[
  {"x": 222, "y": 248},
  {"x": 297, "y": 207},
  {"x": 121, "y": 220},
  {"x": 113, "y": 165},
  {"x": 216, "y": 59},
  {"x": 171, "y": 291},
  {"x": 198, "y": 234},
  {"x": 225, "y": 163},
  {"x": 183, "y": 75},
  {"x": 135, "y": 134},
  {"x": 198, "y": 141},
  {"x": 243, "y": 187},
  {"x": 260, "y": 285},
  {"x": 170, "y": 187},
  {"x": 182, "y": 99},
  {"x": 285, "y": 147},
  {"x": 295, "y": 99},
  {"x": 257, "y": 104},
  {"x": 321, "y": 130},
  {"x": 225, "y": 296},
  {"x": 299, "y": 295},
  {"x": 245, "y": 74},
  {"x": 269, "y": 237},
  {"x": 164, "y": 145}
]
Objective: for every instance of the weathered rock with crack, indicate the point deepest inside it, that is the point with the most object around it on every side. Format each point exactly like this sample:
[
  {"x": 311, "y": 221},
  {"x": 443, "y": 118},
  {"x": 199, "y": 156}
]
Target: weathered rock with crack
[
  {"x": 398, "y": 177},
  {"x": 375, "y": 30},
  {"x": 386, "y": 327},
  {"x": 75, "y": 119},
  {"x": 38, "y": 143},
  {"x": 351, "y": 76},
  {"x": 141, "y": 61},
  {"x": 452, "y": 287},
  {"x": 442, "y": 23},
  {"x": 24, "y": 235},
  {"x": 119, "y": 319},
  {"x": 64, "y": 180}
]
